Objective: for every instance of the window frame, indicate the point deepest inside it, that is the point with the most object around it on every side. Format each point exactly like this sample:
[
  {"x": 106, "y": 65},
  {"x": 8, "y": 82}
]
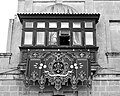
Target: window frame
[
  {"x": 48, "y": 39},
  {"x": 39, "y": 22},
  {"x": 92, "y": 38},
  {"x": 82, "y": 29},
  {"x": 23, "y": 38},
  {"x": 64, "y": 22},
  {"x": 76, "y": 22},
  {"x": 44, "y": 38},
  {"x": 93, "y": 29},
  {"x": 93, "y": 26},
  {"x": 81, "y": 39},
  {"x": 52, "y": 27}
]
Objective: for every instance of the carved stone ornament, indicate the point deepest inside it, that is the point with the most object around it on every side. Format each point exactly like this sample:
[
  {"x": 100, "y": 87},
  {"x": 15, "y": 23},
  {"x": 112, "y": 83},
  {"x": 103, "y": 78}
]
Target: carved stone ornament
[{"x": 57, "y": 67}]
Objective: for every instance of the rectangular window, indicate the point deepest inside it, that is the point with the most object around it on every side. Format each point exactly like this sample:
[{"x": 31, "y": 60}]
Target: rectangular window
[
  {"x": 115, "y": 36},
  {"x": 88, "y": 24},
  {"x": 76, "y": 25},
  {"x": 40, "y": 38},
  {"x": 41, "y": 25},
  {"x": 52, "y": 24},
  {"x": 77, "y": 38},
  {"x": 64, "y": 37},
  {"x": 28, "y": 38},
  {"x": 64, "y": 24},
  {"x": 89, "y": 38},
  {"x": 28, "y": 24},
  {"x": 52, "y": 38}
]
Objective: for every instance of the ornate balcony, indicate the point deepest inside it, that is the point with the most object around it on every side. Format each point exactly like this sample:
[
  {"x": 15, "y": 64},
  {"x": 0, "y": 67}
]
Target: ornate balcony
[{"x": 56, "y": 67}]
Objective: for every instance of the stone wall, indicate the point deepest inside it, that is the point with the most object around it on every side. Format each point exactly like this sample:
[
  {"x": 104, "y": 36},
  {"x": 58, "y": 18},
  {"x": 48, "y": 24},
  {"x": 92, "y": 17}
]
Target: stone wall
[
  {"x": 106, "y": 88},
  {"x": 5, "y": 61},
  {"x": 99, "y": 88},
  {"x": 12, "y": 85}
]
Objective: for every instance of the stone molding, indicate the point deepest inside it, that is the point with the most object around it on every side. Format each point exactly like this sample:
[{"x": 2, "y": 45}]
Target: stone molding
[
  {"x": 5, "y": 55},
  {"x": 111, "y": 54}
]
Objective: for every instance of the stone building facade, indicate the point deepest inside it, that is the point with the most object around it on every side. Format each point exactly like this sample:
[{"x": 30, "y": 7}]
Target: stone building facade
[{"x": 105, "y": 81}]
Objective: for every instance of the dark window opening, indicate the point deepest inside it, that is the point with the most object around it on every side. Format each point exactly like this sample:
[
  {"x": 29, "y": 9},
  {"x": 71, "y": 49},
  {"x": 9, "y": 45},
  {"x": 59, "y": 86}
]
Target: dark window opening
[
  {"x": 64, "y": 40},
  {"x": 65, "y": 37}
]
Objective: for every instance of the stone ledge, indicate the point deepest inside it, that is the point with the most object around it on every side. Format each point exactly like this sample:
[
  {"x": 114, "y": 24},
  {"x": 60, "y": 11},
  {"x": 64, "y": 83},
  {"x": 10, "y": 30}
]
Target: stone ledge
[
  {"x": 11, "y": 77},
  {"x": 5, "y": 54},
  {"x": 112, "y": 54}
]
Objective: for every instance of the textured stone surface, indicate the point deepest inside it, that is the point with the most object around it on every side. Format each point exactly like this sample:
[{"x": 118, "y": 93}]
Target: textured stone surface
[
  {"x": 108, "y": 89},
  {"x": 4, "y": 88},
  {"x": 105, "y": 83},
  {"x": 109, "y": 10}
]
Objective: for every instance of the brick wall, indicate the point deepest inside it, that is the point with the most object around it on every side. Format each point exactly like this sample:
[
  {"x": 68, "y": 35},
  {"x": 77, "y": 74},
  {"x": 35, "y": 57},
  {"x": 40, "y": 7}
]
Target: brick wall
[
  {"x": 106, "y": 88},
  {"x": 99, "y": 88},
  {"x": 16, "y": 88}
]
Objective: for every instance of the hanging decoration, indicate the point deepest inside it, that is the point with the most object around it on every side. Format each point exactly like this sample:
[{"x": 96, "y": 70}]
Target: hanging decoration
[{"x": 58, "y": 67}]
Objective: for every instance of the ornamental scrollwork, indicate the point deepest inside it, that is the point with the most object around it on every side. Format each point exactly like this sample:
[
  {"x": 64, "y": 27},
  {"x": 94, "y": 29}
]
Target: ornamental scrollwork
[{"x": 58, "y": 67}]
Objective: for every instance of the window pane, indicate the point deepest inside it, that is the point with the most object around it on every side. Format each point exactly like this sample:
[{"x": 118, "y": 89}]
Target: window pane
[
  {"x": 89, "y": 38},
  {"x": 64, "y": 32},
  {"x": 64, "y": 25},
  {"x": 41, "y": 25},
  {"x": 52, "y": 25},
  {"x": 76, "y": 25},
  {"x": 28, "y": 38},
  {"x": 76, "y": 38},
  {"x": 28, "y": 24},
  {"x": 52, "y": 38},
  {"x": 40, "y": 38},
  {"x": 88, "y": 25},
  {"x": 115, "y": 36}
]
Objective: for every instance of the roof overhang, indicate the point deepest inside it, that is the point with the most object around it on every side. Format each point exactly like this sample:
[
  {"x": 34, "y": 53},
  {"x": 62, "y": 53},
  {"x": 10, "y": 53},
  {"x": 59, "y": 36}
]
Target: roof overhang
[{"x": 23, "y": 16}]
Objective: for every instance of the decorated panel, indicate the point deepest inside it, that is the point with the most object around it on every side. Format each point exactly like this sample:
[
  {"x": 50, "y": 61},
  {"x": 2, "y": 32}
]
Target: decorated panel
[{"x": 57, "y": 67}]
